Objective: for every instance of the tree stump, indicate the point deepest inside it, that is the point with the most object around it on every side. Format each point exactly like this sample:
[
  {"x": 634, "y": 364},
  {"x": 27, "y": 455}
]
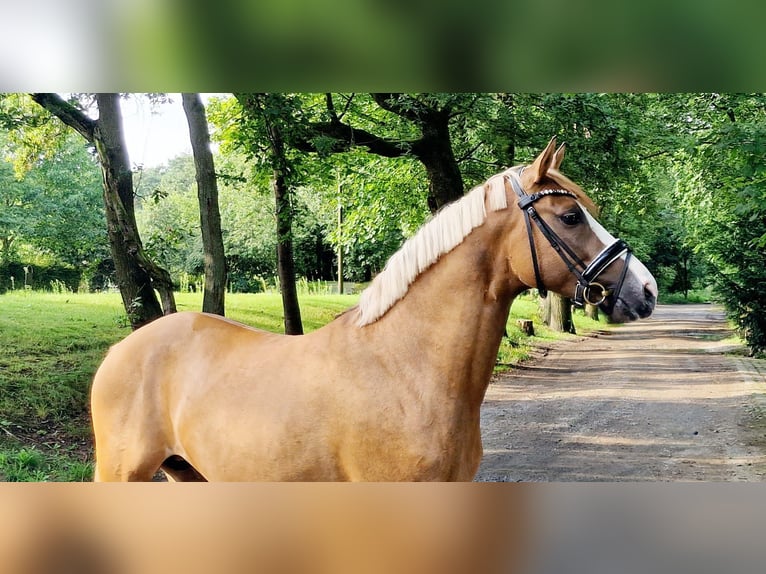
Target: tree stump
[{"x": 526, "y": 326}]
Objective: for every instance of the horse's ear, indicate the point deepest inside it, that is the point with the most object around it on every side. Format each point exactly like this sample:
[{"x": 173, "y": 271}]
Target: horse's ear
[
  {"x": 558, "y": 157},
  {"x": 543, "y": 163}
]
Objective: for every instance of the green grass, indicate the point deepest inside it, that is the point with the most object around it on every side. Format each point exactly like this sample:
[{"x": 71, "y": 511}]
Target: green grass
[
  {"x": 52, "y": 343},
  {"x": 517, "y": 346},
  {"x": 33, "y": 464},
  {"x": 694, "y": 296},
  {"x": 49, "y": 347},
  {"x": 264, "y": 310}
]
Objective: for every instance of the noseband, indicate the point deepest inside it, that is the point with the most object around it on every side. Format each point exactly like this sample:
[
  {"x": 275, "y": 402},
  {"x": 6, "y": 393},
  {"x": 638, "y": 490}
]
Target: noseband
[{"x": 587, "y": 290}]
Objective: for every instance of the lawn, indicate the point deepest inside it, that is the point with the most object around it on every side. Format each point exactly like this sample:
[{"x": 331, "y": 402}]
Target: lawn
[{"x": 51, "y": 344}]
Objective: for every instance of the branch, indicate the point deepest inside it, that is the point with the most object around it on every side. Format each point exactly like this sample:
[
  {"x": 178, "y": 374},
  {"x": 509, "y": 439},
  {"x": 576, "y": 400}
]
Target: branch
[
  {"x": 344, "y": 136},
  {"x": 347, "y": 106},
  {"x": 348, "y": 137},
  {"x": 389, "y": 103},
  {"x": 655, "y": 154},
  {"x": 331, "y": 107},
  {"x": 68, "y": 114},
  {"x": 467, "y": 155}
]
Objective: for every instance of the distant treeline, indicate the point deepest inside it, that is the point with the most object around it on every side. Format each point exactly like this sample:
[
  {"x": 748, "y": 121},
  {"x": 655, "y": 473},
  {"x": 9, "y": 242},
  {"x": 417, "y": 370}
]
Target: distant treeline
[{"x": 15, "y": 275}]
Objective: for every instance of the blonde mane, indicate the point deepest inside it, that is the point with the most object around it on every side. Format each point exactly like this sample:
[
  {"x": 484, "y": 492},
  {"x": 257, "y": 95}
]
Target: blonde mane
[{"x": 448, "y": 228}]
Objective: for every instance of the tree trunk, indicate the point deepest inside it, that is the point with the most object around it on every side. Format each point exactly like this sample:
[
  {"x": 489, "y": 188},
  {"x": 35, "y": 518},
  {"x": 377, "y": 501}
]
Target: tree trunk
[
  {"x": 210, "y": 216},
  {"x": 434, "y": 150},
  {"x": 527, "y": 327},
  {"x": 285, "y": 259},
  {"x": 591, "y": 311},
  {"x": 271, "y": 110},
  {"x": 284, "y": 212},
  {"x": 558, "y": 313},
  {"x": 137, "y": 276}
]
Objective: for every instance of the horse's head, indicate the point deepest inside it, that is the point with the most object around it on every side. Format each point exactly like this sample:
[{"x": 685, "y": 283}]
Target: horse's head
[{"x": 569, "y": 252}]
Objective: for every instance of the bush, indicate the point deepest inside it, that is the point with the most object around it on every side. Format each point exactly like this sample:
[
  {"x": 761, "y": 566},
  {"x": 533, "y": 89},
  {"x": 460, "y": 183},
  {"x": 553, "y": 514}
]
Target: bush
[
  {"x": 17, "y": 275},
  {"x": 745, "y": 301}
]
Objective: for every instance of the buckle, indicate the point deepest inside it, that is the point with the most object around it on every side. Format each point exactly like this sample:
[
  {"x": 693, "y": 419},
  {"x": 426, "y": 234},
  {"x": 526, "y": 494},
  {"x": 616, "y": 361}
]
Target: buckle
[{"x": 526, "y": 200}]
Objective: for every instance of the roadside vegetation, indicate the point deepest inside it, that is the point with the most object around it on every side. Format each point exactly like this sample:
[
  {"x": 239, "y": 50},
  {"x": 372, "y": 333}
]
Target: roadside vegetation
[{"x": 694, "y": 296}]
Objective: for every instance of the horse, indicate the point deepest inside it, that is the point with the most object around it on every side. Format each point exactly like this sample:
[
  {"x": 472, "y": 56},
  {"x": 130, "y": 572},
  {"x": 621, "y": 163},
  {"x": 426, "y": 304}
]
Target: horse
[{"x": 391, "y": 389}]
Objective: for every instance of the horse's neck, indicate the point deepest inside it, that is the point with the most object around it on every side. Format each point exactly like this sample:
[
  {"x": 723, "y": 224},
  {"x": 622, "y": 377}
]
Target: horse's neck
[{"x": 449, "y": 325}]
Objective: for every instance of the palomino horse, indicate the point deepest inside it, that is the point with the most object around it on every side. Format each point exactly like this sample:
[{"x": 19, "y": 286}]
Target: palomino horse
[{"x": 391, "y": 389}]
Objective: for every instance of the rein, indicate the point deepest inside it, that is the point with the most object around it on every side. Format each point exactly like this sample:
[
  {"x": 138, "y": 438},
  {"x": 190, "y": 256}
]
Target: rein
[{"x": 587, "y": 290}]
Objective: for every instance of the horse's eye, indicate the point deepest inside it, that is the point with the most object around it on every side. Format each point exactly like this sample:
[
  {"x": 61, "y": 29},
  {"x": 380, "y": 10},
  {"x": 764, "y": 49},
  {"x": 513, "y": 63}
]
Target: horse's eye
[{"x": 571, "y": 218}]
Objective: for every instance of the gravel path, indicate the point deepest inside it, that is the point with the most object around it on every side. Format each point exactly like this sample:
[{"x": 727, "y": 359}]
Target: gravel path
[{"x": 662, "y": 399}]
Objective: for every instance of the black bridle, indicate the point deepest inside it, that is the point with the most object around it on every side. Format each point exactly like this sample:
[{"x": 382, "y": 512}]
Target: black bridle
[{"x": 587, "y": 290}]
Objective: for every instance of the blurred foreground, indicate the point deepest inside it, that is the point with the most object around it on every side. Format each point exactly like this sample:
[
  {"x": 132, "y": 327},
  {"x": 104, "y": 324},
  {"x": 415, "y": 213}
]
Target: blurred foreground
[
  {"x": 264, "y": 528},
  {"x": 402, "y": 529}
]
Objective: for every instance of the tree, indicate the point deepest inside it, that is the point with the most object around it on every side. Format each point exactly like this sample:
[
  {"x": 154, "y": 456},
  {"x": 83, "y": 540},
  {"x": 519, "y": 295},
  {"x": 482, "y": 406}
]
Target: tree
[
  {"x": 168, "y": 216},
  {"x": 210, "y": 216},
  {"x": 268, "y": 113},
  {"x": 721, "y": 191},
  {"x": 16, "y": 211},
  {"x": 384, "y": 201},
  {"x": 421, "y": 130},
  {"x": 53, "y": 210},
  {"x": 137, "y": 275}
]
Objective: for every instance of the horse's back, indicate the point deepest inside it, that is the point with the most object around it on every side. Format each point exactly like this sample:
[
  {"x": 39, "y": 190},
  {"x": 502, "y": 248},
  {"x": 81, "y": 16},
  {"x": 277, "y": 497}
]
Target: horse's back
[{"x": 169, "y": 347}]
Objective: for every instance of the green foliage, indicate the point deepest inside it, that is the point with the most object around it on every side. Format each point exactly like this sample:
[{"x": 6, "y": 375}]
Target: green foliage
[
  {"x": 383, "y": 199},
  {"x": 168, "y": 216},
  {"x": 51, "y": 215},
  {"x": 169, "y": 222},
  {"x": 31, "y": 134},
  {"x": 722, "y": 192},
  {"x": 383, "y": 202}
]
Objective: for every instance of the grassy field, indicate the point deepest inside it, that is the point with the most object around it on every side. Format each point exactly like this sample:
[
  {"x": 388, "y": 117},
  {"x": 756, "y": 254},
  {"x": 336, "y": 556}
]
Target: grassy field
[{"x": 51, "y": 344}]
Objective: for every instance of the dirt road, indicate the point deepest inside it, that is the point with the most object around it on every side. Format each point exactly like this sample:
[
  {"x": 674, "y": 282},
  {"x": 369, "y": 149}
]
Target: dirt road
[{"x": 662, "y": 399}]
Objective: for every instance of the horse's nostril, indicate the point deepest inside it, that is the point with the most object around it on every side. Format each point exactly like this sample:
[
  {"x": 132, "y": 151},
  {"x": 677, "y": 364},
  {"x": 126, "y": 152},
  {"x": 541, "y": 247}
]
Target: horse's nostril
[{"x": 649, "y": 293}]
